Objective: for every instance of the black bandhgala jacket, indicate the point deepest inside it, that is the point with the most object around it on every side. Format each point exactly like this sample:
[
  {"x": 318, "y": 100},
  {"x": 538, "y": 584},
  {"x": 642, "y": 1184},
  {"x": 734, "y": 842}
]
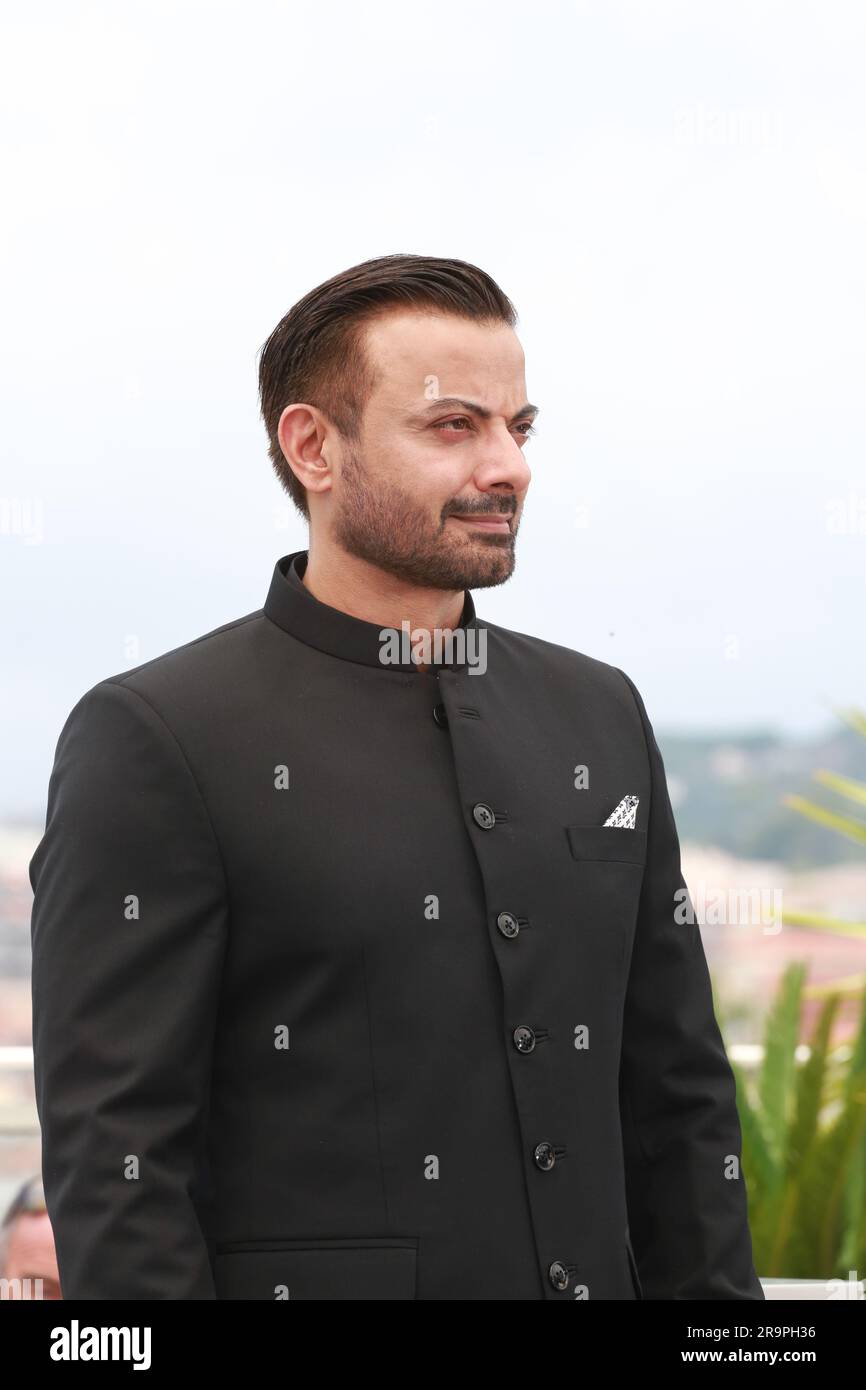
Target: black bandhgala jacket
[{"x": 342, "y": 989}]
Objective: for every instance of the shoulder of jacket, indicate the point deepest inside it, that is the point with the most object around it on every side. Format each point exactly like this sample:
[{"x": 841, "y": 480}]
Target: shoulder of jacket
[
  {"x": 218, "y": 645},
  {"x": 203, "y": 662},
  {"x": 566, "y": 662}
]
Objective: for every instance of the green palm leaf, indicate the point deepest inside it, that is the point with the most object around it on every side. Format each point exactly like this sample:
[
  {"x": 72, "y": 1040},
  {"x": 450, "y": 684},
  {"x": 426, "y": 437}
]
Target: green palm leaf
[
  {"x": 843, "y": 824},
  {"x": 781, "y": 1035}
]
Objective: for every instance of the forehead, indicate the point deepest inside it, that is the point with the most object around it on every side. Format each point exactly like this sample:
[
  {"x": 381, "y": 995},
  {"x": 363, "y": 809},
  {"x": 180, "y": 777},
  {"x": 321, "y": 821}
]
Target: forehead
[
  {"x": 31, "y": 1233},
  {"x": 467, "y": 358}
]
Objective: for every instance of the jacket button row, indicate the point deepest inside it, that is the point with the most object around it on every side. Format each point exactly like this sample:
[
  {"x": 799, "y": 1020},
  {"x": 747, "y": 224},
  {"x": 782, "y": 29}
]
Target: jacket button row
[
  {"x": 508, "y": 924},
  {"x": 544, "y": 1155},
  {"x": 524, "y": 1038},
  {"x": 558, "y": 1275},
  {"x": 483, "y": 816}
]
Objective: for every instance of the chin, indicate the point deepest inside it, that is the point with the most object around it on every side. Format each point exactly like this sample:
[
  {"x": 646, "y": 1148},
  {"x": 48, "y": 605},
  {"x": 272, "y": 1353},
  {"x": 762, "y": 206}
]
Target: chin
[{"x": 487, "y": 576}]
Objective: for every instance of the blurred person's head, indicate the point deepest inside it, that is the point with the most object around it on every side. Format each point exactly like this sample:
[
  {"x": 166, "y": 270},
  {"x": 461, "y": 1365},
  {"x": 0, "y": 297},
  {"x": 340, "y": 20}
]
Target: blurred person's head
[
  {"x": 27, "y": 1246},
  {"x": 394, "y": 397}
]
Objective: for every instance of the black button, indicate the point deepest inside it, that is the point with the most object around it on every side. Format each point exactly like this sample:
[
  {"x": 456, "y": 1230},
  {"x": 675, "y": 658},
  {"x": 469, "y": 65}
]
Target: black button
[
  {"x": 544, "y": 1155},
  {"x": 508, "y": 924},
  {"x": 483, "y": 816},
  {"x": 558, "y": 1275},
  {"x": 524, "y": 1038},
  {"x": 440, "y": 716}
]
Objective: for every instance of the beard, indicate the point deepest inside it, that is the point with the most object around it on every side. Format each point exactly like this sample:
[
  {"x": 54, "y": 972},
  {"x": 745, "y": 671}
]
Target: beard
[{"x": 388, "y": 528}]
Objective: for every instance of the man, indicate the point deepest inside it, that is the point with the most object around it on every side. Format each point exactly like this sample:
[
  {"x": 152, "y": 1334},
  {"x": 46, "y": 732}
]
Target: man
[
  {"x": 28, "y": 1260},
  {"x": 342, "y": 987}
]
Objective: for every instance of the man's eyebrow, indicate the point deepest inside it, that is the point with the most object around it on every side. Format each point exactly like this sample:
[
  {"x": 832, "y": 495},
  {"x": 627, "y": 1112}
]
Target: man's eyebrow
[{"x": 473, "y": 407}]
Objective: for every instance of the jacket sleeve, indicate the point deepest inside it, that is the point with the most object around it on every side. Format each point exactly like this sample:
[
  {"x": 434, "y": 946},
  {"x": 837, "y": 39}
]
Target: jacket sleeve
[
  {"x": 686, "y": 1194},
  {"x": 128, "y": 930}
]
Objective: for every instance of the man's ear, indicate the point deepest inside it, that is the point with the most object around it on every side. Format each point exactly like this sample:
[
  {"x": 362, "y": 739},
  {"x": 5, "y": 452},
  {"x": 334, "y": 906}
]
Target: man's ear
[{"x": 309, "y": 457}]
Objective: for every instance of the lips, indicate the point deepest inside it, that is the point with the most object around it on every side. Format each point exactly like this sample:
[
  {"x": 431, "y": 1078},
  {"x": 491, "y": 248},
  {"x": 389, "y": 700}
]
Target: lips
[{"x": 490, "y": 521}]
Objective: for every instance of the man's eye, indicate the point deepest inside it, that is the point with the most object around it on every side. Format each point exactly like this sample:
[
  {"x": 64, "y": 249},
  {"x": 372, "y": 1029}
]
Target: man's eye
[
  {"x": 459, "y": 419},
  {"x": 524, "y": 426}
]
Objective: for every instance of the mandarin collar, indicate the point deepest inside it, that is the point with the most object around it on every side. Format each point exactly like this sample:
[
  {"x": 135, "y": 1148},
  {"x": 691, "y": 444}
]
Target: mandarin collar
[{"x": 292, "y": 606}]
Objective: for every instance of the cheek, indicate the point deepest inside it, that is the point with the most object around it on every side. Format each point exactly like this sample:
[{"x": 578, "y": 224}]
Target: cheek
[{"x": 424, "y": 478}]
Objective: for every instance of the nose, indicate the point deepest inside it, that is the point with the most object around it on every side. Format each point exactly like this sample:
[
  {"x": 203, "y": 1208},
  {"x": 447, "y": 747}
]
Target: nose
[{"x": 504, "y": 465}]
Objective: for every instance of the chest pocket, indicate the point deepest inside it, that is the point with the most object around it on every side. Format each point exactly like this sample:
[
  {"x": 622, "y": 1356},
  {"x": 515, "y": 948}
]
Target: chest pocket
[
  {"x": 607, "y": 873},
  {"x": 611, "y": 843}
]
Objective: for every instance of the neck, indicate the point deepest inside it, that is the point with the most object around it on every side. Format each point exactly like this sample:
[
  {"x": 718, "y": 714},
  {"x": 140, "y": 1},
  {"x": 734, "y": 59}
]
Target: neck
[{"x": 364, "y": 591}]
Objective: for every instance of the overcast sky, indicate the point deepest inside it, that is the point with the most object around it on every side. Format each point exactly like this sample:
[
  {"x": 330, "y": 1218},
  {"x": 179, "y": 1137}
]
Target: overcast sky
[{"x": 674, "y": 196}]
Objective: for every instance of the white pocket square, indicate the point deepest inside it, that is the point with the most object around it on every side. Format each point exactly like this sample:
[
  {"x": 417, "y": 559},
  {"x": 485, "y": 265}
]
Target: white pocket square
[{"x": 623, "y": 815}]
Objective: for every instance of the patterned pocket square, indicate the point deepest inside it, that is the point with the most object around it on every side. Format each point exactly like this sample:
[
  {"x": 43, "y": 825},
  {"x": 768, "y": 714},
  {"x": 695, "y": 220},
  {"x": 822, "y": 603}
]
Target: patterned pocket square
[{"x": 623, "y": 817}]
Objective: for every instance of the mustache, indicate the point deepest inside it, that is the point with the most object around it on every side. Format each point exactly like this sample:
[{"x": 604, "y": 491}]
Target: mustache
[{"x": 483, "y": 511}]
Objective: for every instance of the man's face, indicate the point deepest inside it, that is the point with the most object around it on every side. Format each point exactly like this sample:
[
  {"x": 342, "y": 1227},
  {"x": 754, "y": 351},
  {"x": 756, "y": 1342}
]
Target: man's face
[
  {"x": 421, "y": 462},
  {"x": 31, "y": 1255}
]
